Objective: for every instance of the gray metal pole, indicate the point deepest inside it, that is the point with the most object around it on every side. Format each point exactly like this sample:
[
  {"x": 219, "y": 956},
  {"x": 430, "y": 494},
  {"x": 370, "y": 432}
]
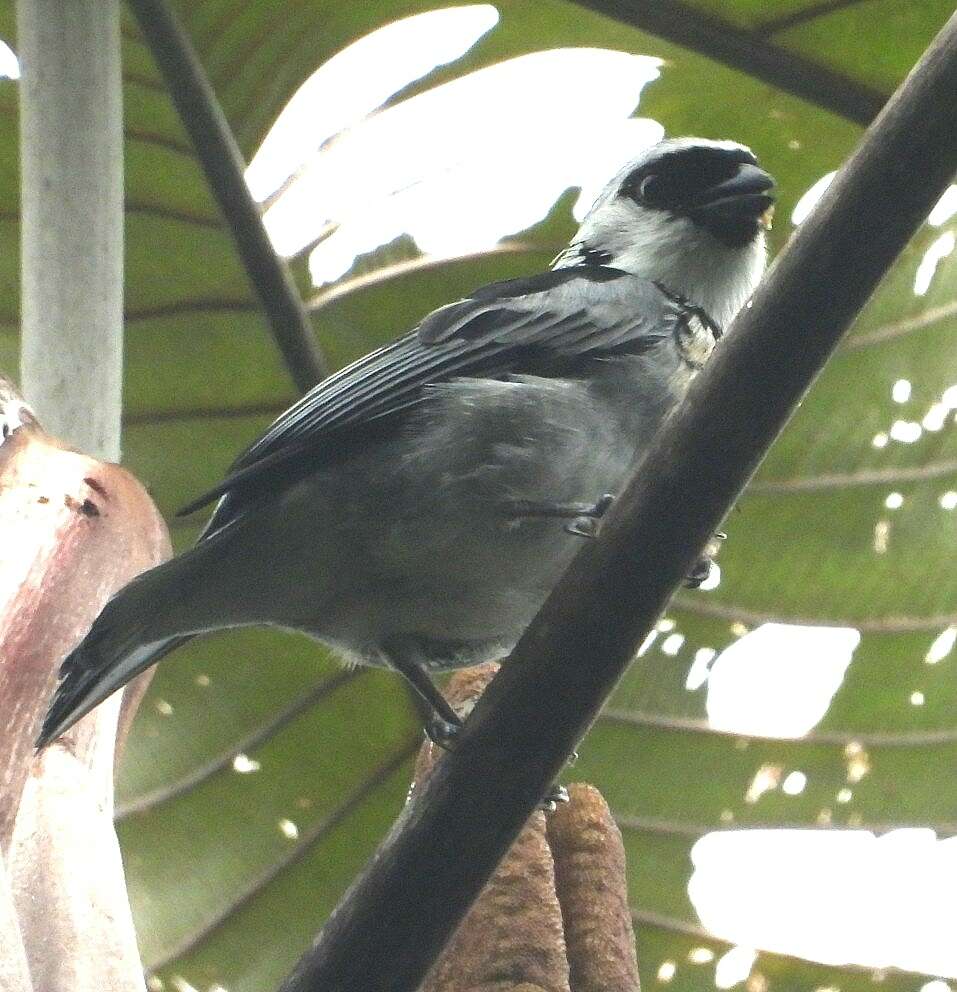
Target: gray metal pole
[{"x": 71, "y": 149}]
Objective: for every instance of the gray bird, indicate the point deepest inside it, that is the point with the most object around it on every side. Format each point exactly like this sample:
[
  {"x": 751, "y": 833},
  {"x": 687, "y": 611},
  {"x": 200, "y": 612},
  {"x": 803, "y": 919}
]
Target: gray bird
[{"x": 413, "y": 510}]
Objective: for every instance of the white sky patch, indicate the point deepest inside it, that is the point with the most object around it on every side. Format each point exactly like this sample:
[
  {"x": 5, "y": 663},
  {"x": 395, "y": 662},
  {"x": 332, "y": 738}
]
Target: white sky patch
[
  {"x": 666, "y": 971},
  {"x": 949, "y": 397},
  {"x": 766, "y": 779},
  {"x": 357, "y": 81},
  {"x": 882, "y": 536},
  {"x": 942, "y": 646},
  {"x": 181, "y": 985},
  {"x": 794, "y": 784},
  {"x": 479, "y": 158},
  {"x": 906, "y": 431},
  {"x": 288, "y": 829},
  {"x": 936, "y": 417},
  {"x": 837, "y": 896},
  {"x": 901, "y": 390},
  {"x": 880, "y": 440},
  {"x": 245, "y": 765},
  {"x": 917, "y": 698},
  {"x": 671, "y": 645},
  {"x": 934, "y": 255},
  {"x": 461, "y": 165},
  {"x": 701, "y": 955},
  {"x": 778, "y": 680},
  {"x": 9, "y": 419},
  {"x": 944, "y": 209},
  {"x": 698, "y": 672},
  {"x": 713, "y": 580},
  {"x": 894, "y": 501},
  {"x": 948, "y": 500},
  {"x": 809, "y": 200},
  {"x": 936, "y": 985},
  {"x": 858, "y": 762},
  {"x": 734, "y": 966},
  {"x": 9, "y": 63},
  {"x": 646, "y": 644}
]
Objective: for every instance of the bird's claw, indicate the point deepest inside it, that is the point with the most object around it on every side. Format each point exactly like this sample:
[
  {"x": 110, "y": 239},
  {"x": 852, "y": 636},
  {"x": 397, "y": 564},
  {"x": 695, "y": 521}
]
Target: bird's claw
[
  {"x": 556, "y": 794},
  {"x": 699, "y": 573},
  {"x": 701, "y": 570},
  {"x": 585, "y": 517},
  {"x": 441, "y": 732}
]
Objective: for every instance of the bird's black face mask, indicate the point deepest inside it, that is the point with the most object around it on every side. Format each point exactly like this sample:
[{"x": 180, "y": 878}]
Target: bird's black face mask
[{"x": 722, "y": 190}]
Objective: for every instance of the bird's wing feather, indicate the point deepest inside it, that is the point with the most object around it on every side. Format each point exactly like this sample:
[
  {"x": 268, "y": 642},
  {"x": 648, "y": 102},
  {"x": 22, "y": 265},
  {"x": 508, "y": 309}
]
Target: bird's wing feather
[{"x": 508, "y": 327}]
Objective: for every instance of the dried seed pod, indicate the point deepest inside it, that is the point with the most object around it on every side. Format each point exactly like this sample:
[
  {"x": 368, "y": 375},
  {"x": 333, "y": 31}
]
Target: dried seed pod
[
  {"x": 511, "y": 940},
  {"x": 591, "y": 885}
]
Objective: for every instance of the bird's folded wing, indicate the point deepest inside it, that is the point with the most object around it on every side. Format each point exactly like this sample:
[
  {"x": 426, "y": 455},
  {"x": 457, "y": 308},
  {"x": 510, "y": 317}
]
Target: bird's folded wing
[{"x": 518, "y": 326}]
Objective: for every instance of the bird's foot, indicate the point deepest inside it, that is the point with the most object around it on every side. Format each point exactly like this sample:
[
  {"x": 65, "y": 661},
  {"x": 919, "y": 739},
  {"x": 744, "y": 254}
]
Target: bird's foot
[
  {"x": 442, "y": 733},
  {"x": 442, "y": 723},
  {"x": 699, "y": 573},
  {"x": 556, "y": 794},
  {"x": 583, "y": 517},
  {"x": 701, "y": 570}
]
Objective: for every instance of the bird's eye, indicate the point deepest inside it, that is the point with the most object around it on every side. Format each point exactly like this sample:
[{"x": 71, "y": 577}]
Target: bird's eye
[{"x": 650, "y": 189}]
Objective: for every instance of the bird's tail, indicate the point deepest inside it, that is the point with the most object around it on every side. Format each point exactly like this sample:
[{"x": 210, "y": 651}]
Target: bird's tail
[{"x": 123, "y": 641}]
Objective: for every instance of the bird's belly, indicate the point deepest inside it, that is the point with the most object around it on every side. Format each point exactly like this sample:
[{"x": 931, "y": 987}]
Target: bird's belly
[{"x": 421, "y": 537}]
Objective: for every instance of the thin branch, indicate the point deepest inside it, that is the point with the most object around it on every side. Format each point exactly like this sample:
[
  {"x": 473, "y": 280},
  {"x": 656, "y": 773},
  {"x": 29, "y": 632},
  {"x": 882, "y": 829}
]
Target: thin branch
[
  {"x": 393, "y": 922},
  {"x": 862, "y": 477},
  {"x": 692, "y": 831},
  {"x": 172, "y": 213},
  {"x": 648, "y": 918},
  {"x": 841, "y": 738},
  {"x": 258, "y": 737},
  {"x": 896, "y": 624},
  {"x": 747, "y": 51},
  {"x": 805, "y": 14},
  {"x": 221, "y": 159},
  {"x": 193, "y": 305},
  {"x": 159, "y": 140},
  {"x": 901, "y": 327}
]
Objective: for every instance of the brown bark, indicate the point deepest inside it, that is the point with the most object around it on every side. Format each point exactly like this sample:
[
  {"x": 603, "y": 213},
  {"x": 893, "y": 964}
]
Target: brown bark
[
  {"x": 591, "y": 884},
  {"x": 554, "y": 917},
  {"x": 511, "y": 940}
]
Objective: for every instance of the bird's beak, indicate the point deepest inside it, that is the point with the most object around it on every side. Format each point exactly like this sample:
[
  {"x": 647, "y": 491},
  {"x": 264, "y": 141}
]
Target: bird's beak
[{"x": 745, "y": 194}]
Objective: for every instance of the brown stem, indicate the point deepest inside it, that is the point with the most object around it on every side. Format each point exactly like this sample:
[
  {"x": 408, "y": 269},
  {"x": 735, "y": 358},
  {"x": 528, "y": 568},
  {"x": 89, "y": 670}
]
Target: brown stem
[{"x": 591, "y": 885}]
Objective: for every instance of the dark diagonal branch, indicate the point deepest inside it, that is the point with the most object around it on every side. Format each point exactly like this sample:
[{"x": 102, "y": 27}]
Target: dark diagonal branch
[
  {"x": 223, "y": 164},
  {"x": 747, "y": 51},
  {"x": 397, "y": 916}
]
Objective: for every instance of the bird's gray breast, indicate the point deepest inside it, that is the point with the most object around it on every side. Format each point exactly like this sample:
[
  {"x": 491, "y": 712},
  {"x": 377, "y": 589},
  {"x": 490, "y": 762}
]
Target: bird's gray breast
[{"x": 418, "y": 533}]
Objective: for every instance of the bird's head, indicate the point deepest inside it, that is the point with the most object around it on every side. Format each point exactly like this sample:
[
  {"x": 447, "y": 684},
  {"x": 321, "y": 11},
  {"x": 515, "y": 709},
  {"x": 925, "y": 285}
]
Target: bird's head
[{"x": 688, "y": 213}]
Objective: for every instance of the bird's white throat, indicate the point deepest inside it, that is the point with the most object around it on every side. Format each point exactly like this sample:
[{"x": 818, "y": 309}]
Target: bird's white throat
[{"x": 673, "y": 251}]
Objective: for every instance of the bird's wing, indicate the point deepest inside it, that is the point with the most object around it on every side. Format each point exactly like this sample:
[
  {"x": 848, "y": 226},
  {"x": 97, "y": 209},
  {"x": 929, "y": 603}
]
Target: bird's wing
[{"x": 521, "y": 325}]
